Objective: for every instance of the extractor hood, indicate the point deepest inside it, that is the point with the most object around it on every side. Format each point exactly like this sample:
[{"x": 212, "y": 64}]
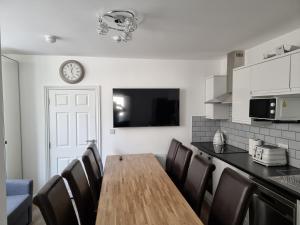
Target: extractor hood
[{"x": 234, "y": 59}]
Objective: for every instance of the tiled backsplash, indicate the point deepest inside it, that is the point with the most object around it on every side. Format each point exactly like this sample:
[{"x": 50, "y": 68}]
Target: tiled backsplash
[
  {"x": 204, "y": 129},
  {"x": 238, "y": 134}
]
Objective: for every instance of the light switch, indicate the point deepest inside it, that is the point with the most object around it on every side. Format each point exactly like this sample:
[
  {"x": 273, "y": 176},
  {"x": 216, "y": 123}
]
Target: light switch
[{"x": 112, "y": 131}]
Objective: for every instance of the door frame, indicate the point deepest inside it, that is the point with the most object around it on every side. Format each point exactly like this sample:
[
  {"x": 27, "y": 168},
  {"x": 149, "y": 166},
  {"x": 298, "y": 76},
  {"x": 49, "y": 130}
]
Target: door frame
[{"x": 47, "y": 89}]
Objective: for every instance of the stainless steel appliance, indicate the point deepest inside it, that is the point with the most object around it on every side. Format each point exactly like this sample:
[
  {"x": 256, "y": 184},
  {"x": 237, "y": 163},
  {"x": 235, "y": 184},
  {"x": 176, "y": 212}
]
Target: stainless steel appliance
[
  {"x": 270, "y": 208},
  {"x": 275, "y": 108},
  {"x": 218, "y": 141},
  {"x": 269, "y": 155}
]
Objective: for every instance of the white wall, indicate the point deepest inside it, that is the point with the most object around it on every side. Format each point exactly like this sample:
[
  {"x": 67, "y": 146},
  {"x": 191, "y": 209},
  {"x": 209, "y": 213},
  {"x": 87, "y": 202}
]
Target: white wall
[
  {"x": 39, "y": 71},
  {"x": 3, "y": 219}
]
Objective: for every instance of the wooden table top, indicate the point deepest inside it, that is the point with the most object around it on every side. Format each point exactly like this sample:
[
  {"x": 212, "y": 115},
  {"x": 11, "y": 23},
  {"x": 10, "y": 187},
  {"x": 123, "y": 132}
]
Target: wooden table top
[{"x": 137, "y": 191}]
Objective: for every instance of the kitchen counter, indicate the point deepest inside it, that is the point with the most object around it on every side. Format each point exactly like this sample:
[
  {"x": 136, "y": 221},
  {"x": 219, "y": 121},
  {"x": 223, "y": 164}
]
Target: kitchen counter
[{"x": 243, "y": 161}]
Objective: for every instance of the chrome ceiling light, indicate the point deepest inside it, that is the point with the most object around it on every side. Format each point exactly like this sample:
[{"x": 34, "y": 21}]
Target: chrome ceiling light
[{"x": 122, "y": 22}]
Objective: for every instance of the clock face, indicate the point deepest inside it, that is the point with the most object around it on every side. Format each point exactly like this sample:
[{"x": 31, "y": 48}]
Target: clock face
[{"x": 71, "y": 71}]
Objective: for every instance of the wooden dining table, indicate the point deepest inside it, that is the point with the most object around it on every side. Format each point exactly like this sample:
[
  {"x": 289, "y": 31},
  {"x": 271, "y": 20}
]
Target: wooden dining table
[{"x": 137, "y": 191}]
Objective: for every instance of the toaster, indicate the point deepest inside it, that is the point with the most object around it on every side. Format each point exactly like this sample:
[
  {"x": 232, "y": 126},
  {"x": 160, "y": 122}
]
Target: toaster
[{"x": 269, "y": 155}]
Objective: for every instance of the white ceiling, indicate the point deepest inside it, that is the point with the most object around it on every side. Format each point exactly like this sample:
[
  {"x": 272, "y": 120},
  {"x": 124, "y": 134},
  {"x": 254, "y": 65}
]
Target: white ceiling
[{"x": 180, "y": 29}]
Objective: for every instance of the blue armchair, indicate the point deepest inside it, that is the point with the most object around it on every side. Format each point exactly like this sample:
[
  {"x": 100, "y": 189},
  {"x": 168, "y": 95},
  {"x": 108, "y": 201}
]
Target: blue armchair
[{"x": 19, "y": 201}]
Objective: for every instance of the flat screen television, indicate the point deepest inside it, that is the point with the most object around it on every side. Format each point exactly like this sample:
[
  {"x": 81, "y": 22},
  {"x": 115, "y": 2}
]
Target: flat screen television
[{"x": 145, "y": 107}]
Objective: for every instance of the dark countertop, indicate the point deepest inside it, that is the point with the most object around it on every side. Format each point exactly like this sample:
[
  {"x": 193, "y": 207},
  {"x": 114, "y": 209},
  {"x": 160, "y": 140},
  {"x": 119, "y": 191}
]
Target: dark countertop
[{"x": 243, "y": 161}]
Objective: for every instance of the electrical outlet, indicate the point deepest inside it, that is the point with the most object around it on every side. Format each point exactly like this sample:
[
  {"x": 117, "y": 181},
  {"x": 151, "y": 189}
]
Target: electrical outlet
[
  {"x": 285, "y": 146},
  {"x": 112, "y": 131}
]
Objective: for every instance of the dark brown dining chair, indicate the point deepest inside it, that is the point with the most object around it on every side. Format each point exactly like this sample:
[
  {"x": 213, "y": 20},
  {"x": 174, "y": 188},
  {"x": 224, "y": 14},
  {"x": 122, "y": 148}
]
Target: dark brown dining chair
[
  {"x": 96, "y": 153},
  {"x": 55, "y": 204},
  {"x": 231, "y": 200},
  {"x": 199, "y": 173},
  {"x": 93, "y": 173},
  {"x": 171, "y": 155},
  {"x": 82, "y": 194},
  {"x": 180, "y": 166}
]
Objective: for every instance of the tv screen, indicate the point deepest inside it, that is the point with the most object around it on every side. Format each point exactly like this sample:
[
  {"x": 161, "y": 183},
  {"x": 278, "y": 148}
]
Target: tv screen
[{"x": 145, "y": 107}]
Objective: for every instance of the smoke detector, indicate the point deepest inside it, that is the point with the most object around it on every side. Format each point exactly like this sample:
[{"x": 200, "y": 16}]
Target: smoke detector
[{"x": 50, "y": 38}]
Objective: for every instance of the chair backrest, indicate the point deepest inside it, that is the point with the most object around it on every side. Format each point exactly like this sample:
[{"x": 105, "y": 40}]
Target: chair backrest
[
  {"x": 55, "y": 204},
  {"x": 95, "y": 151},
  {"x": 197, "y": 179},
  {"x": 180, "y": 166},
  {"x": 93, "y": 173},
  {"x": 81, "y": 191},
  {"x": 171, "y": 154},
  {"x": 231, "y": 200}
]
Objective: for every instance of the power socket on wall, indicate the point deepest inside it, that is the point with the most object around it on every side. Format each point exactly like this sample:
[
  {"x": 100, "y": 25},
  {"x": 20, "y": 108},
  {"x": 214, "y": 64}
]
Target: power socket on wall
[{"x": 285, "y": 146}]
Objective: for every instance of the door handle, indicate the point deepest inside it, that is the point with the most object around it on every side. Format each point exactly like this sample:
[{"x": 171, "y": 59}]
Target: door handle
[{"x": 93, "y": 141}]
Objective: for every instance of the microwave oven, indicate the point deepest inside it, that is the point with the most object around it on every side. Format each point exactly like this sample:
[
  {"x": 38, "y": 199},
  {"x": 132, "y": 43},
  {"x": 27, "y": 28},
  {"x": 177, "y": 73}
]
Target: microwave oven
[{"x": 275, "y": 108}]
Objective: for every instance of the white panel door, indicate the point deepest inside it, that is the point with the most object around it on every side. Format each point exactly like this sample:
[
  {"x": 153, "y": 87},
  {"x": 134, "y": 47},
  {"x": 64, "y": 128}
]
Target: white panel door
[
  {"x": 241, "y": 96},
  {"x": 72, "y": 122},
  {"x": 12, "y": 123}
]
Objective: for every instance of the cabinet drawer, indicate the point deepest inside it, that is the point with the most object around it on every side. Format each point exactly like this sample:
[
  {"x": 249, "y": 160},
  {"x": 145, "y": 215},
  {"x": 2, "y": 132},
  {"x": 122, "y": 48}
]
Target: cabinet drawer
[{"x": 271, "y": 77}]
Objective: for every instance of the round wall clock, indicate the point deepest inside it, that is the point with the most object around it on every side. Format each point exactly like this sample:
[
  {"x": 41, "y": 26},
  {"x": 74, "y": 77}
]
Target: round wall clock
[{"x": 71, "y": 71}]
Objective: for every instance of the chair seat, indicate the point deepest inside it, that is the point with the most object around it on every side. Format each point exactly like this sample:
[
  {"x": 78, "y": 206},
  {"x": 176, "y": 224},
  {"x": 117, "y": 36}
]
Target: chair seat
[{"x": 16, "y": 205}]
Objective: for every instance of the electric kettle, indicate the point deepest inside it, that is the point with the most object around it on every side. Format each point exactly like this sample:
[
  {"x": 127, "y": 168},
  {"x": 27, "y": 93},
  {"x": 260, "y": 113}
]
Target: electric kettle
[{"x": 219, "y": 138}]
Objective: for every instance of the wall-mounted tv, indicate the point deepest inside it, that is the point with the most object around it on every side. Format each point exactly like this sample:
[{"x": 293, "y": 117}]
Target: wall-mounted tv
[{"x": 145, "y": 107}]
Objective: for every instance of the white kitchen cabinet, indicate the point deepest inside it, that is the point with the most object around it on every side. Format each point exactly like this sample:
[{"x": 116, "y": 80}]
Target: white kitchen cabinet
[
  {"x": 271, "y": 77},
  {"x": 214, "y": 87},
  {"x": 295, "y": 72},
  {"x": 241, "y": 95}
]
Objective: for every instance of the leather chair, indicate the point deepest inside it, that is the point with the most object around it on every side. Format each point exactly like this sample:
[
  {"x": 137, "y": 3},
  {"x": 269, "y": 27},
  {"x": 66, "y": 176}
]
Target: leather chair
[
  {"x": 180, "y": 166},
  {"x": 93, "y": 173},
  {"x": 231, "y": 200},
  {"x": 196, "y": 182},
  {"x": 171, "y": 155},
  {"x": 95, "y": 151},
  {"x": 55, "y": 204},
  {"x": 81, "y": 192}
]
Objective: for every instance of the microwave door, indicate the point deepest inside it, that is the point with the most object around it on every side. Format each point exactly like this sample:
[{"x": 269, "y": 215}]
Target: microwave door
[{"x": 261, "y": 108}]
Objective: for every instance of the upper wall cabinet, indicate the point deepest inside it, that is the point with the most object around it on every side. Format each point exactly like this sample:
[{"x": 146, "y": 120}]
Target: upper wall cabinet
[
  {"x": 214, "y": 87},
  {"x": 295, "y": 72},
  {"x": 271, "y": 77},
  {"x": 241, "y": 96}
]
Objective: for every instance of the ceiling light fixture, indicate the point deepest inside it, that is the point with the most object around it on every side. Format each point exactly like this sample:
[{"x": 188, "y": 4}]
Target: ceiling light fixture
[{"x": 121, "y": 22}]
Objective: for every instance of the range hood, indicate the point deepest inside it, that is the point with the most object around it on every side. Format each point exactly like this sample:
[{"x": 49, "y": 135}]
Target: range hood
[{"x": 234, "y": 59}]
